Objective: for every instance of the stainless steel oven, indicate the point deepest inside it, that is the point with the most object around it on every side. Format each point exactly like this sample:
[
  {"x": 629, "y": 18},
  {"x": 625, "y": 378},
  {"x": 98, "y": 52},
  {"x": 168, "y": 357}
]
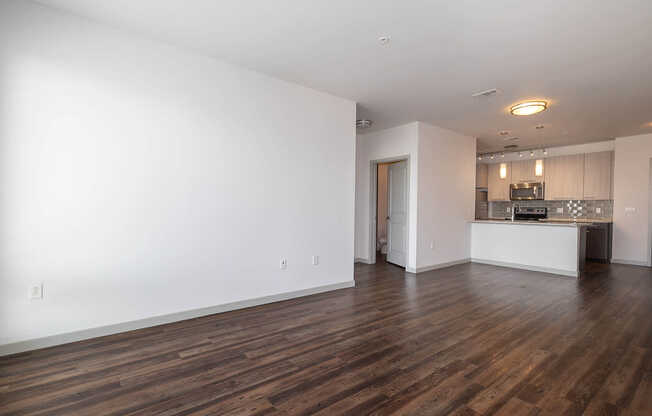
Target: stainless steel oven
[{"x": 527, "y": 191}]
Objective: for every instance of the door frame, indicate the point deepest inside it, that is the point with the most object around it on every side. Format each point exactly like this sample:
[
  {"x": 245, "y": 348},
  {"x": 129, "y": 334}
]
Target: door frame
[{"x": 373, "y": 205}]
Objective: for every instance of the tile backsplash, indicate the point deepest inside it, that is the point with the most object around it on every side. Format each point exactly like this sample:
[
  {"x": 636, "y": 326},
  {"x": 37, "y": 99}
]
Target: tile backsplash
[{"x": 590, "y": 208}]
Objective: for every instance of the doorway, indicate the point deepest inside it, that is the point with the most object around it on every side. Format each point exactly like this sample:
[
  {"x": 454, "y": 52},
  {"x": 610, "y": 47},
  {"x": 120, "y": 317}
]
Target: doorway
[{"x": 389, "y": 211}]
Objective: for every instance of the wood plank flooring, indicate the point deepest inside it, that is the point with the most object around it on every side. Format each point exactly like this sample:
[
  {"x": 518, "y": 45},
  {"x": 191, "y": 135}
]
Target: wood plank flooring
[{"x": 466, "y": 340}]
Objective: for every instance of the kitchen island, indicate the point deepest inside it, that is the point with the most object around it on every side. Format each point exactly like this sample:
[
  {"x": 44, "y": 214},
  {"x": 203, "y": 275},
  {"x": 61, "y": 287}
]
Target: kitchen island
[{"x": 547, "y": 246}]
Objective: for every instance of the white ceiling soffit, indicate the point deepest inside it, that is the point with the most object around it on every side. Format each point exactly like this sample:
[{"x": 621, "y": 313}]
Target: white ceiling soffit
[{"x": 592, "y": 60}]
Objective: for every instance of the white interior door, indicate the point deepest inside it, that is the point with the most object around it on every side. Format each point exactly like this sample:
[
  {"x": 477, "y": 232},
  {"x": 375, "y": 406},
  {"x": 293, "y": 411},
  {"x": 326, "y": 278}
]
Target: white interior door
[{"x": 397, "y": 214}]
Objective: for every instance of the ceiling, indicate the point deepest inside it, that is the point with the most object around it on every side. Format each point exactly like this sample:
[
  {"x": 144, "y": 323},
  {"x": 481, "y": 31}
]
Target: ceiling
[{"x": 591, "y": 59}]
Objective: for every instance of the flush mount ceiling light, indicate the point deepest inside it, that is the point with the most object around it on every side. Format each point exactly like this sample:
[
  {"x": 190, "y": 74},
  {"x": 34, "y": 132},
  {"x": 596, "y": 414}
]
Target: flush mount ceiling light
[
  {"x": 363, "y": 124},
  {"x": 504, "y": 133},
  {"x": 527, "y": 108}
]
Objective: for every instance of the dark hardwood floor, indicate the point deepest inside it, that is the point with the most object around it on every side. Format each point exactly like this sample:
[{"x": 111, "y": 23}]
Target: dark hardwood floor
[{"x": 465, "y": 340}]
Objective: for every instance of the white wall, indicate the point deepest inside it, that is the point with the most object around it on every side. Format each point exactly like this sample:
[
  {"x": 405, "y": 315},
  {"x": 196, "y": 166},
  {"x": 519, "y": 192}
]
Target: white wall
[
  {"x": 631, "y": 242},
  {"x": 442, "y": 186},
  {"x": 446, "y": 195},
  {"x": 401, "y": 141},
  {"x": 138, "y": 180}
]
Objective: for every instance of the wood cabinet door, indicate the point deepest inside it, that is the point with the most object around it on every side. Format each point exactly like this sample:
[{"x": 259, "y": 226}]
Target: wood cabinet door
[
  {"x": 518, "y": 171},
  {"x": 498, "y": 189},
  {"x": 481, "y": 172},
  {"x": 525, "y": 171},
  {"x": 598, "y": 175},
  {"x": 565, "y": 177}
]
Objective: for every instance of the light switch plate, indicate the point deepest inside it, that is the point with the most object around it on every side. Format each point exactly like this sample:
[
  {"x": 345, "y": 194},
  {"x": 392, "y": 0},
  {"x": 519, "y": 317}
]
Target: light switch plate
[
  {"x": 315, "y": 260},
  {"x": 560, "y": 210},
  {"x": 598, "y": 210}
]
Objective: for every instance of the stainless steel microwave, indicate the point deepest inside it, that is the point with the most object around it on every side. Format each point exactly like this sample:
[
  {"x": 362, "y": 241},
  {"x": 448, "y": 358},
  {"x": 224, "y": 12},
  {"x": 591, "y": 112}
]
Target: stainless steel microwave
[{"x": 526, "y": 191}]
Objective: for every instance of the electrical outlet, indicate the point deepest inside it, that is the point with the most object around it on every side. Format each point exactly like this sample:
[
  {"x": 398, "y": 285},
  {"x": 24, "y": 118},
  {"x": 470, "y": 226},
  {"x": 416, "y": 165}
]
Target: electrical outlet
[
  {"x": 509, "y": 209},
  {"x": 598, "y": 210},
  {"x": 560, "y": 210},
  {"x": 315, "y": 260},
  {"x": 36, "y": 292},
  {"x": 284, "y": 264}
]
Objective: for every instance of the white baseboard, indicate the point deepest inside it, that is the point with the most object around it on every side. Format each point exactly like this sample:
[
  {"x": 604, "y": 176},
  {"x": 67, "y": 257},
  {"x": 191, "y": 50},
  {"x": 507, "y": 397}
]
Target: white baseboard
[
  {"x": 562, "y": 272},
  {"x": 631, "y": 262},
  {"x": 437, "y": 266},
  {"x": 361, "y": 260},
  {"x": 84, "y": 334}
]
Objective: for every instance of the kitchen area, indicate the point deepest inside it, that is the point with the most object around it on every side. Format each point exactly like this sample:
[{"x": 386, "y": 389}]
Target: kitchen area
[{"x": 544, "y": 211}]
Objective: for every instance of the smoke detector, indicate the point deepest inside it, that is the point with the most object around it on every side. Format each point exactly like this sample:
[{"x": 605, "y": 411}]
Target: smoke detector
[
  {"x": 384, "y": 40},
  {"x": 363, "y": 124}
]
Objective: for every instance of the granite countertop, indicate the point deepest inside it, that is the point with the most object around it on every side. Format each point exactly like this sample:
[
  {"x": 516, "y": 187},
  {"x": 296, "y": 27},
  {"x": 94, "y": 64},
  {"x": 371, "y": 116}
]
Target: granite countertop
[
  {"x": 560, "y": 222},
  {"x": 582, "y": 220},
  {"x": 539, "y": 223}
]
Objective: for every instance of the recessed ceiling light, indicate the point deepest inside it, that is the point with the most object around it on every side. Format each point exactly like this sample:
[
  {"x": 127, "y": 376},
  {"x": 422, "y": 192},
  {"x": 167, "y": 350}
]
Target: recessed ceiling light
[
  {"x": 527, "y": 108},
  {"x": 384, "y": 40},
  {"x": 531, "y": 153},
  {"x": 363, "y": 124},
  {"x": 520, "y": 154}
]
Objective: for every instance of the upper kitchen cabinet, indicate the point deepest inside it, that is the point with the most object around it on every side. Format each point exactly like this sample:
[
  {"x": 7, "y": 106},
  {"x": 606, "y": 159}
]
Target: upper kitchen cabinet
[
  {"x": 564, "y": 177},
  {"x": 498, "y": 188},
  {"x": 526, "y": 171},
  {"x": 481, "y": 172},
  {"x": 598, "y": 175}
]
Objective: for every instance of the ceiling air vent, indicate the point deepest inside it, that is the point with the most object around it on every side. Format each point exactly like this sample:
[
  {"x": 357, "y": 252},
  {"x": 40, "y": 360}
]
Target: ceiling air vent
[
  {"x": 485, "y": 93},
  {"x": 363, "y": 124},
  {"x": 511, "y": 146}
]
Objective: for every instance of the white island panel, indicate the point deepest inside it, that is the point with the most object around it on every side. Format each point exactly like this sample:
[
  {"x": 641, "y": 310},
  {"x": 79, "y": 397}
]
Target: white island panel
[{"x": 551, "y": 249}]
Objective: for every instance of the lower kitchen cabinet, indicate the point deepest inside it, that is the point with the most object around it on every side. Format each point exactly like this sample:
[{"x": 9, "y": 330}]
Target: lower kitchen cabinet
[{"x": 598, "y": 242}]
